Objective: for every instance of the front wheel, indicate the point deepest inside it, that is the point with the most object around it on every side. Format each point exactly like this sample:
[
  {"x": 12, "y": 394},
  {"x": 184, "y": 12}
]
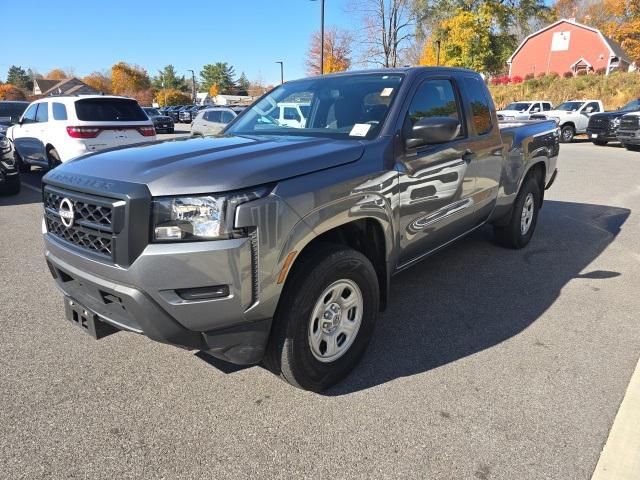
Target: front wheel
[
  {"x": 567, "y": 133},
  {"x": 23, "y": 167},
  {"x": 518, "y": 232},
  {"x": 600, "y": 143},
  {"x": 325, "y": 318},
  {"x": 632, "y": 148}
]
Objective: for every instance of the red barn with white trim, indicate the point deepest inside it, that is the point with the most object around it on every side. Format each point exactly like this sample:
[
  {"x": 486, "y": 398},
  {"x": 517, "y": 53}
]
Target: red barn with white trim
[{"x": 567, "y": 46}]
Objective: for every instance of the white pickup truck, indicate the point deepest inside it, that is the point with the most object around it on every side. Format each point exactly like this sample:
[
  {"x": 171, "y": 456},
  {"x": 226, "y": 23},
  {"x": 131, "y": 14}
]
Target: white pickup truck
[
  {"x": 521, "y": 110},
  {"x": 572, "y": 116}
]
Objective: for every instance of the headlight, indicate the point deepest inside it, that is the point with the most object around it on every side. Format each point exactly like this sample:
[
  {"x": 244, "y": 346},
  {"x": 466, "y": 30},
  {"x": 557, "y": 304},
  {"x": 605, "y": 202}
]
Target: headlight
[
  {"x": 192, "y": 218},
  {"x": 5, "y": 145},
  {"x": 615, "y": 122}
]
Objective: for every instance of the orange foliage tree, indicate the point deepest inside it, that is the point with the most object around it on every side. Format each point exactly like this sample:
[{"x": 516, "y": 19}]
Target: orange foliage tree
[
  {"x": 337, "y": 52},
  {"x": 10, "y": 92},
  {"x": 57, "y": 74},
  {"x": 172, "y": 96},
  {"x": 213, "y": 91},
  {"x": 623, "y": 25},
  {"x": 99, "y": 81},
  {"x": 127, "y": 78}
]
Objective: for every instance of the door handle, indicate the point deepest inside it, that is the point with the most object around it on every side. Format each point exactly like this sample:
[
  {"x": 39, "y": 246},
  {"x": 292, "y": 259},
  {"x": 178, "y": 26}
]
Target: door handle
[{"x": 468, "y": 155}]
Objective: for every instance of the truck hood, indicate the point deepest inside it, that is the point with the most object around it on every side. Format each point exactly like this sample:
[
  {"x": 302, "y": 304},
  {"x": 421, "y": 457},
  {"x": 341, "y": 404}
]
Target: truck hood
[
  {"x": 611, "y": 115},
  {"x": 213, "y": 164}
]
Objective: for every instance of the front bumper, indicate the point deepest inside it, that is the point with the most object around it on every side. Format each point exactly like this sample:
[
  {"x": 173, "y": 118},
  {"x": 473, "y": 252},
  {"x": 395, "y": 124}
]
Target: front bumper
[
  {"x": 631, "y": 137},
  {"x": 143, "y": 299},
  {"x": 602, "y": 134}
]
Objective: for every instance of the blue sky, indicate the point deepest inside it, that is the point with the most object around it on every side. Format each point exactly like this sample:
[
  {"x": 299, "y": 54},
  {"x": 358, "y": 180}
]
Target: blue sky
[{"x": 93, "y": 35}]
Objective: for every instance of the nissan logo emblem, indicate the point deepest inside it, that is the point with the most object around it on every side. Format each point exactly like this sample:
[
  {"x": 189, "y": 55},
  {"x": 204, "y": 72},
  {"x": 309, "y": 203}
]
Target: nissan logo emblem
[{"x": 66, "y": 212}]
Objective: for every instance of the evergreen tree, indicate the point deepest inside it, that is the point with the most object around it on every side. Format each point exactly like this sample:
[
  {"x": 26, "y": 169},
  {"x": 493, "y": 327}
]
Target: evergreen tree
[
  {"x": 220, "y": 74},
  {"x": 18, "y": 77}
]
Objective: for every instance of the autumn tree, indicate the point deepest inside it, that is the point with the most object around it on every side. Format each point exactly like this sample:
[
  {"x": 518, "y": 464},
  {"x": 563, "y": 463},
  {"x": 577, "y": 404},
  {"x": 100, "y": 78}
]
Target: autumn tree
[
  {"x": 169, "y": 79},
  {"x": 220, "y": 74},
  {"x": 337, "y": 52},
  {"x": 127, "y": 79},
  {"x": 622, "y": 24},
  {"x": 172, "y": 96},
  {"x": 58, "y": 74},
  {"x": 388, "y": 26},
  {"x": 213, "y": 91},
  {"x": 100, "y": 81},
  {"x": 19, "y": 78},
  {"x": 10, "y": 92}
]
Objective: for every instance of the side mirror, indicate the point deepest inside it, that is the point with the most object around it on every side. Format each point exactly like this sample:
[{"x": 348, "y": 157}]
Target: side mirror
[
  {"x": 432, "y": 130},
  {"x": 588, "y": 110},
  {"x": 536, "y": 110}
]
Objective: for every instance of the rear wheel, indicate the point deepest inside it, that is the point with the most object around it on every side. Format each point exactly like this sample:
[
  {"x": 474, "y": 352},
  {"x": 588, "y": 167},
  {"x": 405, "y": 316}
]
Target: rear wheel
[
  {"x": 325, "y": 318},
  {"x": 524, "y": 216},
  {"x": 567, "y": 133},
  {"x": 600, "y": 143}
]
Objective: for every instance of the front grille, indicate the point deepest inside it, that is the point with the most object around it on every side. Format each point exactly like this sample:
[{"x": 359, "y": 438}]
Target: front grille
[
  {"x": 631, "y": 122},
  {"x": 598, "y": 123},
  {"x": 94, "y": 222},
  {"x": 94, "y": 241}
]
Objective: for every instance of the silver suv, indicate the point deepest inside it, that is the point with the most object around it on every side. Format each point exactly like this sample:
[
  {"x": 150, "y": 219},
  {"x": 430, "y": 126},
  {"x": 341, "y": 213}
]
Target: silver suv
[{"x": 212, "y": 121}]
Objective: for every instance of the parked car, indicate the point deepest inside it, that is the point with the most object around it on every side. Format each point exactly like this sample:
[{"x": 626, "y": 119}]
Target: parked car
[
  {"x": 212, "y": 121},
  {"x": 276, "y": 243},
  {"x": 173, "y": 112},
  {"x": 10, "y": 113},
  {"x": 522, "y": 110},
  {"x": 188, "y": 114},
  {"x": 628, "y": 133},
  {"x": 603, "y": 127},
  {"x": 572, "y": 116},
  {"x": 291, "y": 114},
  {"x": 9, "y": 175},
  {"x": 162, "y": 123},
  {"x": 180, "y": 113},
  {"x": 53, "y": 130}
]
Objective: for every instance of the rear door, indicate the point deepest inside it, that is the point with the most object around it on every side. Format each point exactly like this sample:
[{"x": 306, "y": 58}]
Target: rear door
[
  {"x": 214, "y": 122},
  {"x": 437, "y": 182}
]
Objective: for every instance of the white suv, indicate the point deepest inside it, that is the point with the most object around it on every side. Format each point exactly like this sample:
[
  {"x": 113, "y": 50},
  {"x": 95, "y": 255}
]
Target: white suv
[
  {"x": 522, "y": 110},
  {"x": 572, "y": 117},
  {"x": 56, "y": 129}
]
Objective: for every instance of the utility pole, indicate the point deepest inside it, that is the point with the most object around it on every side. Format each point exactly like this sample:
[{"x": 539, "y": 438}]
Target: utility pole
[
  {"x": 193, "y": 85},
  {"x": 281, "y": 72},
  {"x": 437, "y": 53},
  {"x": 321, "y": 36}
]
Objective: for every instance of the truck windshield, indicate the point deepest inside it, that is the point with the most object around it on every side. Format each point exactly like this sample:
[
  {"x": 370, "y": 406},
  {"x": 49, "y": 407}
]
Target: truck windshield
[
  {"x": 520, "y": 106},
  {"x": 633, "y": 105},
  {"x": 350, "y": 106},
  {"x": 570, "y": 106}
]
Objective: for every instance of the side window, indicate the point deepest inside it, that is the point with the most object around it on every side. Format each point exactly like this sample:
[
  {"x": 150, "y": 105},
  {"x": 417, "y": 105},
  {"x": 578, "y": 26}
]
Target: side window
[
  {"x": 434, "y": 98},
  {"x": 291, "y": 113},
  {"x": 30, "y": 114},
  {"x": 59, "y": 111},
  {"x": 227, "y": 117},
  {"x": 546, "y": 106},
  {"x": 43, "y": 113},
  {"x": 480, "y": 105},
  {"x": 594, "y": 107},
  {"x": 214, "y": 116},
  {"x": 275, "y": 113},
  {"x": 535, "y": 108}
]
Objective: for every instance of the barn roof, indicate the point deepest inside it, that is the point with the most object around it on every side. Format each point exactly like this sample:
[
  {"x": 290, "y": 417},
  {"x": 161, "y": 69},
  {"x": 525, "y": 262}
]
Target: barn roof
[{"x": 614, "y": 49}]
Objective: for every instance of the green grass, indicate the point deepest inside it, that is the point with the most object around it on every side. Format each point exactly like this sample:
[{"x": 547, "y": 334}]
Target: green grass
[{"x": 614, "y": 90}]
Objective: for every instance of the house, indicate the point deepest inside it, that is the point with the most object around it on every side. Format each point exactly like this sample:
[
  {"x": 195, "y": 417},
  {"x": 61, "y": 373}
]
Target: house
[
  {"x": 567, "y": 46},
  {"x": 67, "y": 86}
]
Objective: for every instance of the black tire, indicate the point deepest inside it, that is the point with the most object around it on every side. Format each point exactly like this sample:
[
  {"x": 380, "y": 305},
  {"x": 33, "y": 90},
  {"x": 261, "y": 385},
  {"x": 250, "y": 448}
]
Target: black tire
[
  {"x": 53, "y": 158},
  {"x": 600, "y": 143},
  {"x": 21, "y": 165},
  {"x": 567, "y": 132},
  {"x": 170, "y": 130},
  {"x": 511, "y": 235},
  {"x": 289, "y": 353},
  {"x": 632, "y": 148}
]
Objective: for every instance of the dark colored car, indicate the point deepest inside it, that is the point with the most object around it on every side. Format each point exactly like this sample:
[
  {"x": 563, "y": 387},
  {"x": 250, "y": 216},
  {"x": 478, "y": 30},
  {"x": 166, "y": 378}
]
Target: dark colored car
[
  {"x": 189, "y": 114},
  {"x": 162, "y": 123},
  {"x": 10, "y": 113},
  {"x": 173, "y": 112},
  {"x": 181, "y": 111},
  {"x": 603, "y": 127},
  {"x": 9, "y": 176}
]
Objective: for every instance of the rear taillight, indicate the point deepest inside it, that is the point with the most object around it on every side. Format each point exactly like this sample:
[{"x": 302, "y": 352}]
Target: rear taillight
[
  {"x": 147, "y": 131},
  {"x": 83, "y": 132}
]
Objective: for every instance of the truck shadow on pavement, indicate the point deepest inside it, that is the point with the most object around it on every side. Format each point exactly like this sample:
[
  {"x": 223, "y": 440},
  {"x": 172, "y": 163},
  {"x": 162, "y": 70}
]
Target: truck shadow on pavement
[{"x": 474, "y": 294}]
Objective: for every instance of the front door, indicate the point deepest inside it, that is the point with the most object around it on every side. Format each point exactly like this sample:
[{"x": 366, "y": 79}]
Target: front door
[
  {"x": 437, "y": 182},
  {"x": 25, "y": 136}
]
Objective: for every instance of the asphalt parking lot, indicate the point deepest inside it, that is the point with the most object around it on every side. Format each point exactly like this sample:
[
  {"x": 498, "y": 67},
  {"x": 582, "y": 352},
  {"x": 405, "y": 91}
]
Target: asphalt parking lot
[{"x": 488, "y": 364}]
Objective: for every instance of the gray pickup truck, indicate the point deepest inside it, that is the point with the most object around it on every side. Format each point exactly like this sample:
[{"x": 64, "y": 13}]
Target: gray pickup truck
[{"x": 275, "y": 243}]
